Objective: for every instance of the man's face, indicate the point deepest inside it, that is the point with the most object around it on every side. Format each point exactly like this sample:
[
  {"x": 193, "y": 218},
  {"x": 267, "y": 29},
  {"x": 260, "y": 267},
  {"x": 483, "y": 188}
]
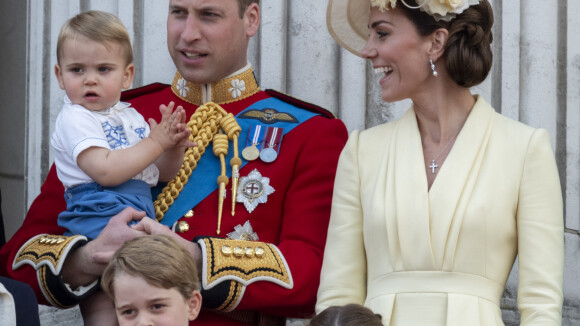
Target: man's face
[{"x": 207, "y": 39}]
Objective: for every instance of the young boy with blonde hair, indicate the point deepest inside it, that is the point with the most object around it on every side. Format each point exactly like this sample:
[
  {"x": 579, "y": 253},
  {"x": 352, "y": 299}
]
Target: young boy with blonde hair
[{"x": 153, "y": 280}]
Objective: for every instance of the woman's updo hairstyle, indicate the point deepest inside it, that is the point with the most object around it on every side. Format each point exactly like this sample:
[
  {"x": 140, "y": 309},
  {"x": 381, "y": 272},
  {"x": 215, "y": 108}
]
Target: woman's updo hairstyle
[{"x": 467, "y": 53}]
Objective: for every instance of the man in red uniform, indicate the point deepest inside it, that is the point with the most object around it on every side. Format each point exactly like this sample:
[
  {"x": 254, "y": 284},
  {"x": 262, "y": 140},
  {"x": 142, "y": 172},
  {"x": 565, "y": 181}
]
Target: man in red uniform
[{"x": 257, "y": 232}]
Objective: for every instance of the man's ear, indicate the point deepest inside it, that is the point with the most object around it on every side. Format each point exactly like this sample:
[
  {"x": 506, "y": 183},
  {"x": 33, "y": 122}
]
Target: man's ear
[
  {"x": 252, "y": 19},
  {"x": 194, "y": 305},
  {"x": 438, "y": 41}
]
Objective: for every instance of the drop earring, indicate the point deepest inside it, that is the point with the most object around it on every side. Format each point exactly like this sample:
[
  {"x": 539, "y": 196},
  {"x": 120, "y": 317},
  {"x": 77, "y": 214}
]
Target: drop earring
[{"x": 433, "y": 67}]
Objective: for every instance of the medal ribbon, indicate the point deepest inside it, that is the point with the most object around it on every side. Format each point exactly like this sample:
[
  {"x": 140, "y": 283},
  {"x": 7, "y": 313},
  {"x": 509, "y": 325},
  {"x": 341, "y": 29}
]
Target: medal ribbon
[
  {"x": 200, "y": 186},
  {"x": 256, "y": 131},
  {"x": 273, "y": 138}
]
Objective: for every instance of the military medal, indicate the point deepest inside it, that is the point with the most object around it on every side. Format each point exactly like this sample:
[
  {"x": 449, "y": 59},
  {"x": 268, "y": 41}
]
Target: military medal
[
  {"x": 268, "y": 155},
  {"x": 254, "y": 189},
  {"x": 273, "y": 139},
  {"x": 244, "y": 232},
  {"x": 251, "y": 151}
]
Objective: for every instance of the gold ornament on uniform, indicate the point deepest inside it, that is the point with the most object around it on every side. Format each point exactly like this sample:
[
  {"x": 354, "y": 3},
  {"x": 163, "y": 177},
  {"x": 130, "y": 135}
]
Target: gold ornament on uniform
[
  {"x": 247, "y": 261},
  {"x": 182, "y": 226},
  {"x": 235, "y": 177},
  {"x": 205, "y": 123},
  {"x": 220, "y": 149},
  {"x": 243, "y": 232}
]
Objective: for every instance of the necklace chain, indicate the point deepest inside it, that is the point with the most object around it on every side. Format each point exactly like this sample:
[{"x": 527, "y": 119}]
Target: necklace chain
[{"x": 434, "y": 165}]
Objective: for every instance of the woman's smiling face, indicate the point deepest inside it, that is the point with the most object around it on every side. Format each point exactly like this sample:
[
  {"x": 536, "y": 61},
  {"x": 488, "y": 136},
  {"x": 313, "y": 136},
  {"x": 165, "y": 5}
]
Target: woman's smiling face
[{"x": 399, "y": 54}]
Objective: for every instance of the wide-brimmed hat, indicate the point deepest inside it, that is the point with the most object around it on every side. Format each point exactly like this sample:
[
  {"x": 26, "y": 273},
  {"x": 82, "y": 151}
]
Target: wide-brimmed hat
[{"x": 347, "y": 21}]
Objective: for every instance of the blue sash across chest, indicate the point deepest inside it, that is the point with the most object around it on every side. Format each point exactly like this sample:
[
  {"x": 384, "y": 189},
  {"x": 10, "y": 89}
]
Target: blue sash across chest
[{"x": 202, "y": 181}]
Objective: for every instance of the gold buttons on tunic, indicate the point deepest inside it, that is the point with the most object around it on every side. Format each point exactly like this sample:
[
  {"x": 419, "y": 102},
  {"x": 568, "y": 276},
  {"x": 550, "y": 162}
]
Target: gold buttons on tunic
[
  {"x": 182, "y": 226},
  {"x": 260, "y": 252},
  {"x": 238, "y": 252},
  {"x": 227, "y": 250},
  {"x": 189, "y": 214}
]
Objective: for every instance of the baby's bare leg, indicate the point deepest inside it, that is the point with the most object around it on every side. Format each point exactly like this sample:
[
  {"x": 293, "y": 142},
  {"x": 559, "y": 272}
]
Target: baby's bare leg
[{"x": 98, "y": 310}]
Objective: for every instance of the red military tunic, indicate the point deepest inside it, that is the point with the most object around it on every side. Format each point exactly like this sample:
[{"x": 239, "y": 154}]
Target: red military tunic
[{"x": 292, "y": 222}]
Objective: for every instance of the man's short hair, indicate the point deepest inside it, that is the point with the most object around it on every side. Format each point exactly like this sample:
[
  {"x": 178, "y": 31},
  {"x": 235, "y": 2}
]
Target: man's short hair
[
  {"x": 98, "y": 26},
  {"x": 244, "y": 5}
]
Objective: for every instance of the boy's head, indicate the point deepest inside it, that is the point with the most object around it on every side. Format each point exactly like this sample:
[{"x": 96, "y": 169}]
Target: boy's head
[
  {"x": 347, "y": 315},
  {"x": 95, "y": 58},
  {"x": 153, "y": 278}
]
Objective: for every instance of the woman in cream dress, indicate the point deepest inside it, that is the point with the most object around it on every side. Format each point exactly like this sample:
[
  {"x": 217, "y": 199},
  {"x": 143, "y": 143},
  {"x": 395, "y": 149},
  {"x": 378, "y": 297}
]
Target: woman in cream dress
[{"x": 430, "y": 211}]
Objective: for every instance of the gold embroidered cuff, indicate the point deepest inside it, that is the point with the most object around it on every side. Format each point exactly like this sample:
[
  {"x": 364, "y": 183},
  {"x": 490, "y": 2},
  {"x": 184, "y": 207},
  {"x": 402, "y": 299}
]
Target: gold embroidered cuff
[
  {"x": 243, "y": 261},
  {"x": 48, "y": 250},
  {"x": 231, "y": 265},
  {"x": 46, "y": 254}
]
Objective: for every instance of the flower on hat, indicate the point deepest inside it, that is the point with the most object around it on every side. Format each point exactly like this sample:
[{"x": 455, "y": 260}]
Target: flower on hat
[
  {"x": 439, "y": 9},
  {"x": 383, "y": 4},
  {"x": 446, "y": 9}
]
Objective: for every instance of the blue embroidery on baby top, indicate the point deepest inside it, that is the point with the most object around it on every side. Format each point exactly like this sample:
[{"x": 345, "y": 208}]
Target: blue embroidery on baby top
[
  {"x": 115, "y": 135},
  {"x": 140, "y": 132}
]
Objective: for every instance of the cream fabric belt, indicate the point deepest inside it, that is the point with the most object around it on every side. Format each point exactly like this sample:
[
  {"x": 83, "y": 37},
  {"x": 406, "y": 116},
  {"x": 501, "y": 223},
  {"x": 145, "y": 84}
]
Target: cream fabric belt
[{"x": 435, "y": 282}]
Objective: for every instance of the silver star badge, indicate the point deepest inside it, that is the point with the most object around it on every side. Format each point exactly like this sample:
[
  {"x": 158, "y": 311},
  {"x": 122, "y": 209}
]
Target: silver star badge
[
  {"x": 254, "y": 189},
  {"x": 243, "y": 233}
]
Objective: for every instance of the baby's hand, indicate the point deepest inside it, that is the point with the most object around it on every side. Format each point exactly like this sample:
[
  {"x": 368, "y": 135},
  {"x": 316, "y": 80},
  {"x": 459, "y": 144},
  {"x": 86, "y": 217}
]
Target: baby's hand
[{"x": 172, "y": 130}]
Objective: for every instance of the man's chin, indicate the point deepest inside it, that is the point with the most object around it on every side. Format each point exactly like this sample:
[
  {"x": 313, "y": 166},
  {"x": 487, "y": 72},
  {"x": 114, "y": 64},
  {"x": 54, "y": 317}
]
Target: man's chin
[{"x": 198, "y": 77}]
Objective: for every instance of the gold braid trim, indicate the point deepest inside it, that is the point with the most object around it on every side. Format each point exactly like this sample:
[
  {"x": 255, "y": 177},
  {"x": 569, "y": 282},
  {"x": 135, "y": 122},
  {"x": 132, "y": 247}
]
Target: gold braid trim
[
  {"x": 234, "y": 297},
  {"x": 206, "y": 122}
]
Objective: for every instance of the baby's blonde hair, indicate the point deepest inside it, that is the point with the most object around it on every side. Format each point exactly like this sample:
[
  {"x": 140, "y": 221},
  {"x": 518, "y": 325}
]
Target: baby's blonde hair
[{"x": 98, "y": 26}]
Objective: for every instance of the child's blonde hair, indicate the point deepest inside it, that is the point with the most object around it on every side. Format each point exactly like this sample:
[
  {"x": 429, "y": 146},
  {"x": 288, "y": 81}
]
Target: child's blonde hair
[
  {"x": 98, "y": 26},
  {"x": 159, "y": 259}
]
